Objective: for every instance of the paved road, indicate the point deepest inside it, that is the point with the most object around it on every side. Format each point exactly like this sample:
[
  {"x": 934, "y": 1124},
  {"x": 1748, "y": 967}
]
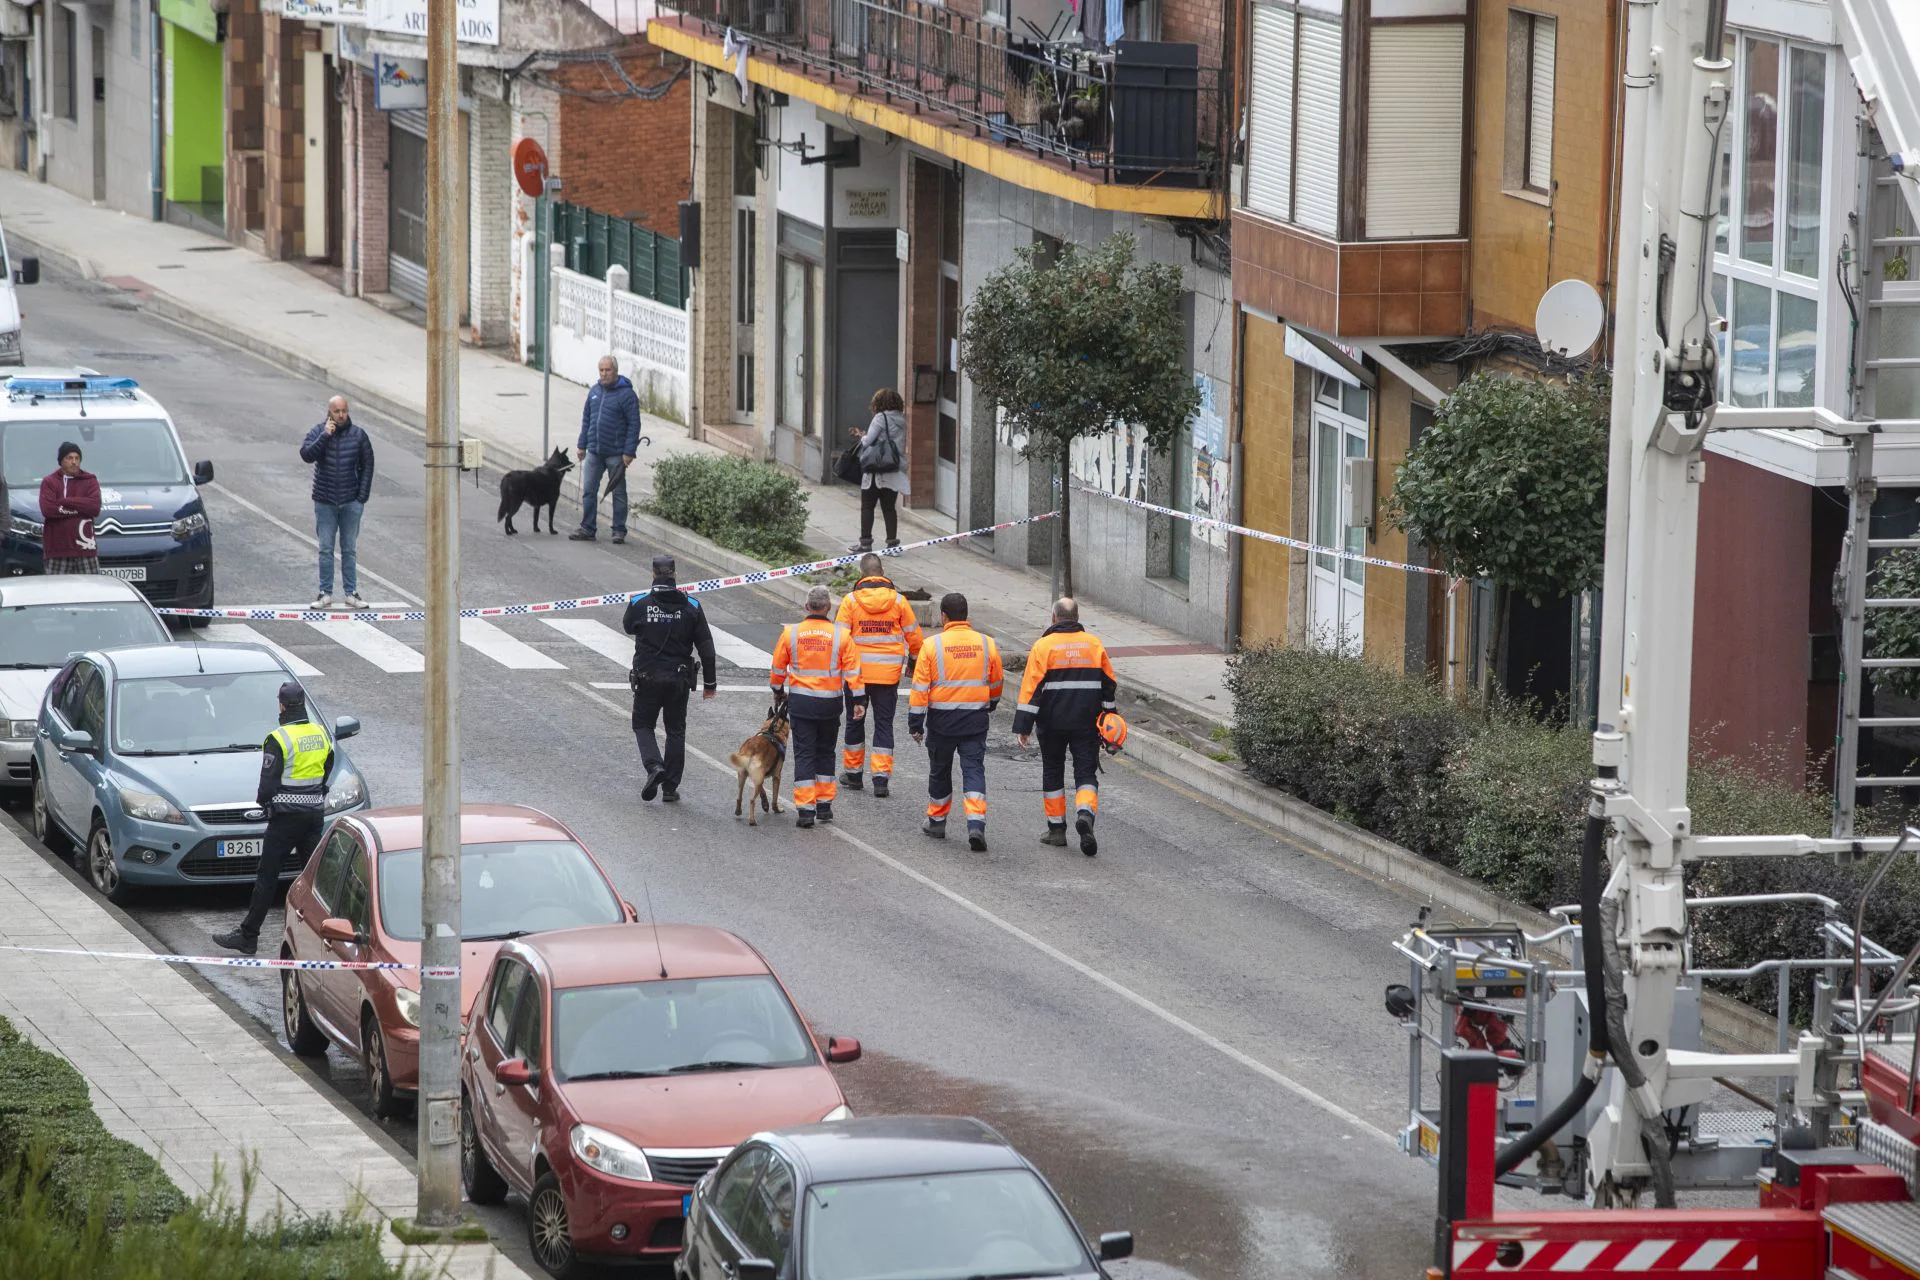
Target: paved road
[{"x": 1184, "y": 1033}]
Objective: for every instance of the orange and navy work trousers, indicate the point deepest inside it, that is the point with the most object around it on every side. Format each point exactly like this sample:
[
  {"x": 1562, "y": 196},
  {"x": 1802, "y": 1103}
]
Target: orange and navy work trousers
[
  {"x": 881, "y": 700},
  {"x": 1085, "y": 747},
  {"x": 972, "y": 750},
  {"x": 811, "y": 758}
]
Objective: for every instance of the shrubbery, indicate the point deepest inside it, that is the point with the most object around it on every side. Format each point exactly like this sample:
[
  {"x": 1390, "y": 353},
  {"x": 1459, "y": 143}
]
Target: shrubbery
[
  {"x": 1500, "y": 796},
  {"x": 749, "y": 507}
]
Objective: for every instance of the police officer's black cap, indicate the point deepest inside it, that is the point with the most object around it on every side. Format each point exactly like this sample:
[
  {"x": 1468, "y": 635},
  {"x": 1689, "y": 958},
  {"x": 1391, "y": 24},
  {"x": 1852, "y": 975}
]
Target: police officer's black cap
[
  {"x": 291, "y": 694},
  {"x": 663, "y": 569}
]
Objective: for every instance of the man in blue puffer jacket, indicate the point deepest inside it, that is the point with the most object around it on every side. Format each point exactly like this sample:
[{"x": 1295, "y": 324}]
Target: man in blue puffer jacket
[
  {"x": 609, "y": 437},
  {"x": 342, "y": 458}
]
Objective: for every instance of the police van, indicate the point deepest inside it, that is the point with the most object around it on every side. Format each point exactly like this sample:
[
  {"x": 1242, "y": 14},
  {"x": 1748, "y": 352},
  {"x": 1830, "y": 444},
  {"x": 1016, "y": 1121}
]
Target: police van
[{"x": 152, "y": 530}]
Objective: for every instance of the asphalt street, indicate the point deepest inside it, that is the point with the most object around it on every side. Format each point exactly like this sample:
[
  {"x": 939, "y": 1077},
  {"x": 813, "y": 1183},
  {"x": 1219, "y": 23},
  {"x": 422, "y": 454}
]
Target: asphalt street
[{"x": 1184, "y": 1033}]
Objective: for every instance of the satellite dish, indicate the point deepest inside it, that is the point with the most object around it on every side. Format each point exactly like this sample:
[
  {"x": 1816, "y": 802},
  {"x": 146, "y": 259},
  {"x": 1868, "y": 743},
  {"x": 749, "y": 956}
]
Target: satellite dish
[{"x": 1569, "y": 318}]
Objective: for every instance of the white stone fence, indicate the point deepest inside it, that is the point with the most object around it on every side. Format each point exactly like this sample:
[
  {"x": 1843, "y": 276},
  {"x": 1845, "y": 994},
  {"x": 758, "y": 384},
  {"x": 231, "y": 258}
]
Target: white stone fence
[{"x": 590, "y": 318}]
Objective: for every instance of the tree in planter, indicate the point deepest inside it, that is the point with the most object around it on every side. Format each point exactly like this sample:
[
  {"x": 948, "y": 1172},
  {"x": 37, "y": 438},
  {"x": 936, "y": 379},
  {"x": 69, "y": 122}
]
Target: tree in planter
[
  {"x": 1509, "y": 484},
  {"x": 1075, "y": 348}
]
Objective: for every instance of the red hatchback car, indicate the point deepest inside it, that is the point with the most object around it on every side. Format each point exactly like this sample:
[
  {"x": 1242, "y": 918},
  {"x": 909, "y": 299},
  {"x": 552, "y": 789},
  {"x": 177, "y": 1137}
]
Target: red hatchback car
[
  {"x": 606, "y": 1070},
  {"x": 359, "y": 899}
]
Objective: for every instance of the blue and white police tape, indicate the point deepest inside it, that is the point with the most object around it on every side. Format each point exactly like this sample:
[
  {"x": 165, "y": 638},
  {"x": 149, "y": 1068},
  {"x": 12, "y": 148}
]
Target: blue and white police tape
[
  {"x": 1261, "y": 534},
  {"x": 258, "y": 614},
  {"x": 216, "y": 962}
]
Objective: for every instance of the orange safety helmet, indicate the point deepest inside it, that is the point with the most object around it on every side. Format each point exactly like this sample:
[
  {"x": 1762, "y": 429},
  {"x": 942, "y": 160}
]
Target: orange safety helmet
[{"x": 1113, "y": 731}]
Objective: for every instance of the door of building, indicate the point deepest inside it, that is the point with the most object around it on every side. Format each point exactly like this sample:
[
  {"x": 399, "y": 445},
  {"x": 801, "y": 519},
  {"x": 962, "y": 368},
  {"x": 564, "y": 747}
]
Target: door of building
[
  {"x": 946, "y": 453},
  {"x": 746, "y": 240},
  {"x": 316, "y": 93},
  {"x": 1337, "y": 598},
  {"x": 866, "y": 330},
  {"x": 407, "y": 205}
]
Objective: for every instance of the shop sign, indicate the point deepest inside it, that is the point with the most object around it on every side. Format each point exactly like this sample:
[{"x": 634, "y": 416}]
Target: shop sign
[
  {"x": 869, "y": 202},
  {"x": 346, "y": 12},
  {"x": 479, "y": 20},
  {"x": 399, "y": 84}
]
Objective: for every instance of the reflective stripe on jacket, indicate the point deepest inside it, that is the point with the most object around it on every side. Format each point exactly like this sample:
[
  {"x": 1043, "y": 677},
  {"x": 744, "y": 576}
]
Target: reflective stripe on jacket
[
  {"x": 1068, "y": 682},
  {"x": 882, "y": 624},
  {"x": 956, "y": 683},
  {"x": 305, "y": 753},
  {"x": 814, "y": 662}
]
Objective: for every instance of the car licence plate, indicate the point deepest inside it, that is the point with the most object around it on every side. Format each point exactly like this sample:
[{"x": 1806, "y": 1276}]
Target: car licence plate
[
  {"x": 126, "y": 573},
  {"x": 237, "y": 848}
]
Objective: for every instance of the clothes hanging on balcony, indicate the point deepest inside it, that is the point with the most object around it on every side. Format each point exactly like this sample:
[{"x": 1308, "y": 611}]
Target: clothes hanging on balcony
[
  {"x": 733, "y": 50},
  {"x": 1116, "y": 21}
]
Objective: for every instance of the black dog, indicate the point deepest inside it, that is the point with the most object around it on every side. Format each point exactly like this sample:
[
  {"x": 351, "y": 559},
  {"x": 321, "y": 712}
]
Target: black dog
[{"x": 541, "y": 487}]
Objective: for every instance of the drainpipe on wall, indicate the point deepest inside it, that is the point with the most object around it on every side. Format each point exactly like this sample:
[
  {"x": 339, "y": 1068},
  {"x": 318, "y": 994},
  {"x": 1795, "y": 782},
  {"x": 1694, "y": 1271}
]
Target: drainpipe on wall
[{"x": 154, "y": 35}]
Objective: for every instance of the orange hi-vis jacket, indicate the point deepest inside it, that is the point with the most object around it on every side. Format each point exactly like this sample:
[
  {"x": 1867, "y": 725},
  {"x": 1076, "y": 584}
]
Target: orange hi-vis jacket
[
  {"x": 815, "y": 662},
  {"x": 956, "y": 683},
  {"x": 883, "y": 627},
  {"x": 1068, "y": 682}
]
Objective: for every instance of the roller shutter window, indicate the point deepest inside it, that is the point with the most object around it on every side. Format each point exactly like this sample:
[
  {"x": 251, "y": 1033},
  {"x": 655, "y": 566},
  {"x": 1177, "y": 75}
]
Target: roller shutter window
[
  {"x": 1270, "y": 112},
  {"x": 1540, "y": 105},
  {"x": 1414, "y": 130},
  {"x": 1316, "y": 170}
]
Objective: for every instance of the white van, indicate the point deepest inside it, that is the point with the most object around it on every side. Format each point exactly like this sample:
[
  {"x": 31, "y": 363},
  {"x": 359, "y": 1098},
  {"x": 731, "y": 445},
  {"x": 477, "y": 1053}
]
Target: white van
[{"x": 25, "y": 271}]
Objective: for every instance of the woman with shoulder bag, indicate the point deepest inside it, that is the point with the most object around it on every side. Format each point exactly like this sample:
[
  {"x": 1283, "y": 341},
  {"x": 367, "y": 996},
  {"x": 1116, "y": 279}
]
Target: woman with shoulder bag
[{"x": 883, "y": 466}]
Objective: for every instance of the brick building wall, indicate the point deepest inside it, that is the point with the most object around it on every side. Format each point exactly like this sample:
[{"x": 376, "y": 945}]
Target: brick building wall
[
  {"x": 1267, "y": 483},
  {"x": 1201, "y": 22},
  {"x": 246, "y": 99},
  {"x": 370, "y": 189},
  {"x": 490, "y": 229},
  {"x": 711, "y": 302},
  {"x": 921, "y": 326},
  {"x": 284, "y": 201},
  {"x": 626, "y": 156}
]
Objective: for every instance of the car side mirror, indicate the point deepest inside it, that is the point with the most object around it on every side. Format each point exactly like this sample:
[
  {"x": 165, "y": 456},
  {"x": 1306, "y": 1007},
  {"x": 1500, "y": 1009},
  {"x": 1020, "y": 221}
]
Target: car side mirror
[
  {"x": 519, "y": 1071},
  {"x": 843, "y": 1049},
  {"x": 203, "y": 472},
  {"x": 73, "y": 740},
  {"x": 28, "y": 272},
  {"x": 337, "y": 929},
  {"x": 1115, "y": 1245},
  {"x": 754, "y": 1269},
  {"x": 345, "y": 726}
]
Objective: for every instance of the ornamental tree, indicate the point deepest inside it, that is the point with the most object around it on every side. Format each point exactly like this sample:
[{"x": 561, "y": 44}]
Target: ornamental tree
[
  {"x": 1076, "y": 346},
  {"x": 1509, "y": 484}
]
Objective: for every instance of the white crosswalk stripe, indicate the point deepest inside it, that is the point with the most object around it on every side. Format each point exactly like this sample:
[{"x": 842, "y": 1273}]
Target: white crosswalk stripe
[
  {"x": 739, "y": 652},
  {"x": 223, "y": 631},
  {"x": 597, "y": 636},
  {"x": 483, "y": 636},
  {"x": 376, "y": 646}
]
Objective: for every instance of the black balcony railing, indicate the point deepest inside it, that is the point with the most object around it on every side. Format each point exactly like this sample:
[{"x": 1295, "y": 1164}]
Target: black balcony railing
[{"x": 1139, "y": 113}]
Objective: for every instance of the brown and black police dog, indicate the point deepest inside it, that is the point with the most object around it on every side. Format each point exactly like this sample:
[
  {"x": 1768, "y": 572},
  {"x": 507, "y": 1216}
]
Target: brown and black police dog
[{"x": 760, "y": 757}]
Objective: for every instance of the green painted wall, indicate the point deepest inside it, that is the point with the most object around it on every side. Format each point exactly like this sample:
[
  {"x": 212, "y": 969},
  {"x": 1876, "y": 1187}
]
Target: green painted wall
[{"x": 195, "y": 115}]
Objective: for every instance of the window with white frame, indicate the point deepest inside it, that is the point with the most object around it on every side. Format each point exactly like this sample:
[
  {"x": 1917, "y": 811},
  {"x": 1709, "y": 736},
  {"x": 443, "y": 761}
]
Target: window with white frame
[
  {"x": 1531, "y": 42},
  {"x": 1769, "y": 248}
]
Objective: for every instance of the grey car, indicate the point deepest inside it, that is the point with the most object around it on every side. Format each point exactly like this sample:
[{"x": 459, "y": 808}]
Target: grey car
[
  {"x": 148, "y": 759},
  {"x": 44, "y": 622}
]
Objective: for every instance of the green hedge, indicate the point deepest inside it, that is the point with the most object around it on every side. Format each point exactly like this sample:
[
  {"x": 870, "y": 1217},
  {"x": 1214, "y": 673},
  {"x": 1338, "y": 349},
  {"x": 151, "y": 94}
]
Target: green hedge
[
  {"x": 77, "y": 1203},
  {"x": 750, "y": 507},
  {"x": 1500, "y": 795}
]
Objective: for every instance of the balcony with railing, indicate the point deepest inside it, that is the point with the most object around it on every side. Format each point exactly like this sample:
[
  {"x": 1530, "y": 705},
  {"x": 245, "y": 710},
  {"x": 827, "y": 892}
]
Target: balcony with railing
[{"x": 1139, "y": 126}]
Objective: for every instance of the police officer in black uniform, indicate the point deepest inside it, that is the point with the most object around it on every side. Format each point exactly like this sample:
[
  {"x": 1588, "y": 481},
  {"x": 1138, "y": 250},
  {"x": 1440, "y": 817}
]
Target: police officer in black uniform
[
  {"x": 296, "y": 762},
  {"x": 668, "y": 627}
]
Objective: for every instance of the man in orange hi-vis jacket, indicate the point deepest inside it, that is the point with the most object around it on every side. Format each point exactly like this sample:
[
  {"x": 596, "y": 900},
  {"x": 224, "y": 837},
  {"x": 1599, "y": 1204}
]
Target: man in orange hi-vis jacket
[
  {"x": 1068, "y": 682},
  {"x": 956, "y": 686},
  {"x": 816, "y": 666},
  {"x": 882, "y": 625}
]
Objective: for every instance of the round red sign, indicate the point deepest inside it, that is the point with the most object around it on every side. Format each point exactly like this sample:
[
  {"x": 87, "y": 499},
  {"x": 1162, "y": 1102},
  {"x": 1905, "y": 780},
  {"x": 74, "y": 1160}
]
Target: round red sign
[{"x": 529, "y": 166}]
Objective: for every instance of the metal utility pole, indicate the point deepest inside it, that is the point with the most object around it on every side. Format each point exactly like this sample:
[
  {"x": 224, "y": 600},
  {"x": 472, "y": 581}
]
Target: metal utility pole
[{"x": 439, "y": 1120}]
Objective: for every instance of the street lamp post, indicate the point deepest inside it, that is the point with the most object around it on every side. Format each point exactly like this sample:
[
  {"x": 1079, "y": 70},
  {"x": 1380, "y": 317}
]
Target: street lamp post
[{"x": 439, "y": 1117}]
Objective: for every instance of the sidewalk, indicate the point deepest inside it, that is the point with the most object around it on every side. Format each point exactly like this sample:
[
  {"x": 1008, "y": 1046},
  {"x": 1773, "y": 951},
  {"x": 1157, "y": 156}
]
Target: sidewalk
[
  {"x": 172, "y": 1071},
  {"x": 282, "y": 313}
]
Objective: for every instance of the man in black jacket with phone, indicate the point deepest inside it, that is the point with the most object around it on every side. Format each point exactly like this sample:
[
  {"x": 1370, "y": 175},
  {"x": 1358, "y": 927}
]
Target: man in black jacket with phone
[{"x": 668, "y": 627}]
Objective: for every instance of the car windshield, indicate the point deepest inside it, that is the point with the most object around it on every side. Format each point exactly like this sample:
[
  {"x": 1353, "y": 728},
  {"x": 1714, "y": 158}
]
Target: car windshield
[
  {"x": 175, "y": 715},
  {"x": 506, "y": 889},
  {"x": 677, "y": 1027},
  {"x": 951, "y": 1226},
  {"x": 120, "y": 451},
  {"x": 46, "y": 635}
]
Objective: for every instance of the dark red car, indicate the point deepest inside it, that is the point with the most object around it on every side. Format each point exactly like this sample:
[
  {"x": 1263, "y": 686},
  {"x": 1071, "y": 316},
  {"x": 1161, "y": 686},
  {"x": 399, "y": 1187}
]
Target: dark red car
[
  {"x": 602, "y": 1088},
  {"x": 359, "y": 899}
]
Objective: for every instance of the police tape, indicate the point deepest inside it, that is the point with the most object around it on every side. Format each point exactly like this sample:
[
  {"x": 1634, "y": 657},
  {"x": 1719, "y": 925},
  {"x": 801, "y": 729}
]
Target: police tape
[
  {"x": 1261, "y": 534},
  {"x": 258, "y": 614},
  {"x": 216, "y": 962}
]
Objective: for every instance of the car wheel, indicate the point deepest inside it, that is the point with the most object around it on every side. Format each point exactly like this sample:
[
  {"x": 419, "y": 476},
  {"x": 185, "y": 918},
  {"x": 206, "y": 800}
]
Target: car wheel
[
  {"x": 303, "y": 1037},
  {"x": 103, "y": 870},
  {"x": 373, "y": 1054},
  {"x": 45, "y": 829},
  {"x": 482, "y": 1181},
  {"x": 547, "y": 1232}
]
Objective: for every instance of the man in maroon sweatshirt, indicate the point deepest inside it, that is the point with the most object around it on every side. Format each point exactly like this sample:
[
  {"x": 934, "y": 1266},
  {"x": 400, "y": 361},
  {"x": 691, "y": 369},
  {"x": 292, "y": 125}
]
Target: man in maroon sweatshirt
[{"x": 69, "y": 501}]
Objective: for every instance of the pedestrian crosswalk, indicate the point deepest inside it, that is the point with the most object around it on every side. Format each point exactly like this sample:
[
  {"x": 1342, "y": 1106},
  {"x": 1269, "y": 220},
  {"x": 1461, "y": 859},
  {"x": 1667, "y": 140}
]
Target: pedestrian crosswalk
[{"x": 543, "y": 643}]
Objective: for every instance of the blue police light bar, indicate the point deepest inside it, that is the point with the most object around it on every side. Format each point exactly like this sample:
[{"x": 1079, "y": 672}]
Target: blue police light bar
[{"x": 69, "y": 388}]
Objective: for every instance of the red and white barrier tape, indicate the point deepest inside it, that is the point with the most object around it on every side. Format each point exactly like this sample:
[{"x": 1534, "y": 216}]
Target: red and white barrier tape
[
  {"x": 214, "y": 962},
  {"x": 1261, "y": 534},
  {"x": 257, "y": 614}
]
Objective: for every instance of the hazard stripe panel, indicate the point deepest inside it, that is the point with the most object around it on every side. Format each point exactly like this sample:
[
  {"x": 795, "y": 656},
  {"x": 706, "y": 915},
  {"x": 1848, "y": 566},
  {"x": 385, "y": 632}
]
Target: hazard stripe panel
[{"x": 1643, "y": 1245}]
